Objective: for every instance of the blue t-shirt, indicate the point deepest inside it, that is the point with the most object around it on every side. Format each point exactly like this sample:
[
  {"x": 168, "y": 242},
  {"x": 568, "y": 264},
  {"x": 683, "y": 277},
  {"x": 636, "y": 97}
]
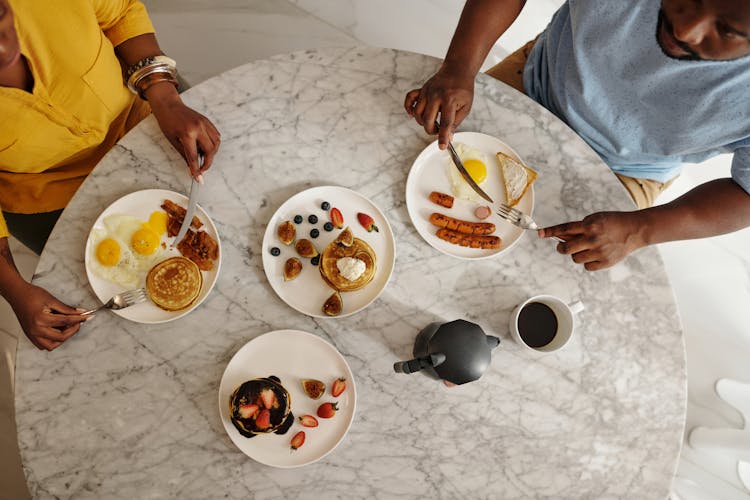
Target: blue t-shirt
[{"x": 599, "y": 67}]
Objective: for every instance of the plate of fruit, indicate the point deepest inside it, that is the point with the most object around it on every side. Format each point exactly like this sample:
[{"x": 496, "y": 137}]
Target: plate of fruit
[
  {"x": 287, "y": 398},
  {"x": 328, "y": 252}
]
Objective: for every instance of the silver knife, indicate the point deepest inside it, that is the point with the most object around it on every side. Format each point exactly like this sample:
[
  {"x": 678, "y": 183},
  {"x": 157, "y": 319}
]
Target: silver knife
[
  {"x": 462, "y": 170},
  {"x": 192, "y": 201}
]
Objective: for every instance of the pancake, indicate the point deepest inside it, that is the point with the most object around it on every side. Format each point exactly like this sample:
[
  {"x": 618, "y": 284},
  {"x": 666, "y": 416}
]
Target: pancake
[
  {"x": 174, "y": 284},
  {"x": 359, "y": 249},
  {"x": 252, "y": 393}
]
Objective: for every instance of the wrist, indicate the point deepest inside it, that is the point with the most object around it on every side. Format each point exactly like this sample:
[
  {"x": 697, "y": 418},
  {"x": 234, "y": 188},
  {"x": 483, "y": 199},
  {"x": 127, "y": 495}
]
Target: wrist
[
  {"x": 458, "y": 69},
  {"x": 161, "y": 93}
]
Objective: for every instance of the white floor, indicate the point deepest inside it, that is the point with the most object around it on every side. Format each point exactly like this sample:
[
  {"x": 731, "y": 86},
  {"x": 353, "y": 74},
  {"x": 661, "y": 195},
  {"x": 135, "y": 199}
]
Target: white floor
[{"x": 711, "y": 278}]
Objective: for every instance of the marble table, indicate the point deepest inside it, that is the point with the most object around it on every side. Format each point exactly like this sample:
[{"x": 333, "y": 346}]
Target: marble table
[{"x": 126, "y": 410}]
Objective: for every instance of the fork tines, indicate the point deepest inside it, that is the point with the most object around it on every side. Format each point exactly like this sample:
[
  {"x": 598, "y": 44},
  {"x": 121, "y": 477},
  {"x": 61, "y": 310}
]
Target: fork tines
[
  {"x": 508, "y": 213},
  {"x": 134, "y": 296}
]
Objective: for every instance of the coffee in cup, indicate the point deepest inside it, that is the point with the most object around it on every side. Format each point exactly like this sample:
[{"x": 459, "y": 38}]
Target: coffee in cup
[{"x": 543, "y": 323}]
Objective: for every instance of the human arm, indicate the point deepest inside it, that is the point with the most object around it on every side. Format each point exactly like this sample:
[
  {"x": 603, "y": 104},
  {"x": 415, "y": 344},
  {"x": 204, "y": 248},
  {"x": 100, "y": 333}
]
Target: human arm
[
  {"x": 450, "y": 91},
  {"x": 46, "y": 321},
  {"x": 602, "y": 239},
  {"x": 186, "y": 129}
]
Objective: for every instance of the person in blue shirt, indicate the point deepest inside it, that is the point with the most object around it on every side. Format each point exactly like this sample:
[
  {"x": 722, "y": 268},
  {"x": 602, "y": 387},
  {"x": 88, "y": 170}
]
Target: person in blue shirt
[{"x": 648, "y": 84}]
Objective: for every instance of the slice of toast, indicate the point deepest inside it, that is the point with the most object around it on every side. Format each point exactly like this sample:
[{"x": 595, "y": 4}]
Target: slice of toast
[{"x": 517, "y": 178}]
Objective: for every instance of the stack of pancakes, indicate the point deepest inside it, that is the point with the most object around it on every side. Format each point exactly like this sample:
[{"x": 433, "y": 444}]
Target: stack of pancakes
[
  {"x": 338, "y": 249},
  {"x": 174, "y": 284}
]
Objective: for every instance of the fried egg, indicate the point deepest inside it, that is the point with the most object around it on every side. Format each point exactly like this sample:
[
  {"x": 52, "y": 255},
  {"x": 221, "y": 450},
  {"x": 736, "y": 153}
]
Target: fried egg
[
  {"x": 475, "y": 163},
  {"x": 127, "y": 247}
]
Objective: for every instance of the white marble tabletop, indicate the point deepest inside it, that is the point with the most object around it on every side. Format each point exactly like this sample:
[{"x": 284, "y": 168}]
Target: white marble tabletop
[{"x": 126, "y": 410}]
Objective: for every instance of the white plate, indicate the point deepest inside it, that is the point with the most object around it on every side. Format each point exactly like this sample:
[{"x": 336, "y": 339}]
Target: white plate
[
  {"x": 308, "y": 291},
  {"x": 141, "y": 204},
  {"x": 429, "y": 173},
  {"x": 292, "y": 356}
]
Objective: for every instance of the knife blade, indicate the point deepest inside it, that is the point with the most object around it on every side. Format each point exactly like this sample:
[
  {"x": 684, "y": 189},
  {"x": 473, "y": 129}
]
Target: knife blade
[
  {"x": 190, "y": 211},
  {"x": 462, "y": 170}
]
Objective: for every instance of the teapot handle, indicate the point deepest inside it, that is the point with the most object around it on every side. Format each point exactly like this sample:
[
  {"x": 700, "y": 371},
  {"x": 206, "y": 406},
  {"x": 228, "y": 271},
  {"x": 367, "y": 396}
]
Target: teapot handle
[{"x": 417, "y": 364}]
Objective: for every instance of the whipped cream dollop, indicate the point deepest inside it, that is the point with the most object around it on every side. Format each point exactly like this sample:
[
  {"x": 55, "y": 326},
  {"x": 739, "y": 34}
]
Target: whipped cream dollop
[{"x": 350, "y": 268}]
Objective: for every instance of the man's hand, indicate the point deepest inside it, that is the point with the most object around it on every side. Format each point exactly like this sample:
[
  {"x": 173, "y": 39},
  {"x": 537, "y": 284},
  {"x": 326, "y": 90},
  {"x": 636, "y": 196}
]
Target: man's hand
[
  {"x": 187, "y": 130},
  {"x": 600, "y": 240},
  {"x": 46, "y": 321},
  {"x": 448, "y": 94}
]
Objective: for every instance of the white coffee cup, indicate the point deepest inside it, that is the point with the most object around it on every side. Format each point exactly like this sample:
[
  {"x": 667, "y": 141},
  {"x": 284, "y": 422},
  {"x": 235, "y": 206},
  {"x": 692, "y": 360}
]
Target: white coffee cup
[{"x": 537, "y": 329}]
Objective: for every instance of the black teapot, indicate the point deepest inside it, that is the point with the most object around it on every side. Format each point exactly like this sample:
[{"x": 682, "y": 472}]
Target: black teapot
[{"x": 458, "y": 352}]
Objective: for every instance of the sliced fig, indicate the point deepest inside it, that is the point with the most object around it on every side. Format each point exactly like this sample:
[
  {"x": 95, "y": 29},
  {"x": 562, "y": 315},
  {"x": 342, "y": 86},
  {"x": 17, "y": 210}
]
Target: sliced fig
[
  {"x": 305, "y": 248},
  {"x": 286, "y": 232},
  {"x": 313, "y": 388},
  {"x": 333, "y": 305},
  {"x": 292, "y": 268},
  {"x": 345, "y": 238}
]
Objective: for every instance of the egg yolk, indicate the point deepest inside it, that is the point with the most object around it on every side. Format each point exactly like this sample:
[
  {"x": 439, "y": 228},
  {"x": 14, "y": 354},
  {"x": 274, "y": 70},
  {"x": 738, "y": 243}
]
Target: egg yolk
[
  {"x": 158, "y": 222},
  {"x": 477, "y": 170},
  {"x": 144, "y": 240},
  {"x": 108, "y": 252}
]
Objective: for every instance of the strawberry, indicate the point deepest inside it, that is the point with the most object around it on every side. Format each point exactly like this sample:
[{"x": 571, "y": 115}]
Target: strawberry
[
  {"x": 327, "y": 410},
  {"x": 367, "y": 222},
  {"x": 298, "y": 440},
  {"x": 336, "y": 218},
  {"x": 308, "y": 421},
  {"x": 263, "y": 421},
  {"x": 268, "y": 397},
  {"x": 338, "y": 387},
  {"x": 248, "y": 411}
]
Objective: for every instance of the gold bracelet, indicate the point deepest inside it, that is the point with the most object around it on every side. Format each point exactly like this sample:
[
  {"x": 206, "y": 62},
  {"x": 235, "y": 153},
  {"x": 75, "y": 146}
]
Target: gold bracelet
[
  {"x": 146, "y": 67},
  {"x": 152, "y": 79}
]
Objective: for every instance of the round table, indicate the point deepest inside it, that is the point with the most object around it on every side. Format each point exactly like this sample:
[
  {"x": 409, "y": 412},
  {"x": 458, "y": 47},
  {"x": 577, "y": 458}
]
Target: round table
[{"x": 127, "y": 410}]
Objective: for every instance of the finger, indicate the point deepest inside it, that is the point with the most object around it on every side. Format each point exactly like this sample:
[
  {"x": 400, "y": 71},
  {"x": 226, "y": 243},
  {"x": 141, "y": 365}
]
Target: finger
[
  {"x": 411, "y": 100},
  {"x": 430, "y": 116},
  {"x": 209, "y": 151},
  {"x": 190, "y": 153},
  {"x": 61, "y": 321},
  {"x": 584, "y": 256},
  {"x": 419, "y": 106},
  {"x": 564, "y": 231},
  {"x": 596, "y": 265},
  {"x": 55, "y": 306},
  {"x": 45, "y": 344},
  {"x": 55, "y": 335},
  {"x": 573, "y": 245},
  {"x": 447, "y": 126}
]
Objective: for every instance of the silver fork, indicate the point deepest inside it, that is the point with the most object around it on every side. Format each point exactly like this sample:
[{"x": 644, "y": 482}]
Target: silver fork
[
  {"x": 121, "y": 301},
  {"x": 520, "y": 219}
]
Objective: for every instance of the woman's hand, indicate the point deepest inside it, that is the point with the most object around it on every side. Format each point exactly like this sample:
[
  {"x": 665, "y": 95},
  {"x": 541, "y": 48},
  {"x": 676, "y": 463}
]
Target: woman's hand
[
  {"x": 600, "y": 240},
  {"x": 46, "y": 321},
  {"x": 448, "y": 93},
  {"x": 189, "y": 131}
]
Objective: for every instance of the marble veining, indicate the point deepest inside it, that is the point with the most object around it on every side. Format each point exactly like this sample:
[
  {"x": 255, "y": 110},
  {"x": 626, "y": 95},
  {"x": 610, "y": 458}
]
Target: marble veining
[{"x": 125, "y": 410}]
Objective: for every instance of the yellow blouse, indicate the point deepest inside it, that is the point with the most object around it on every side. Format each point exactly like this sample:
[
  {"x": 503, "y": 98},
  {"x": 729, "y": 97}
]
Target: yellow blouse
[{"x": 52, "y": 138}]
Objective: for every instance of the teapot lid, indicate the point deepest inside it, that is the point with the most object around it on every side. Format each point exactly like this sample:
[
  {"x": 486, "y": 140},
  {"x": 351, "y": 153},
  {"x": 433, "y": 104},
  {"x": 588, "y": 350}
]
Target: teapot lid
[{"x": 467, "y": 351}]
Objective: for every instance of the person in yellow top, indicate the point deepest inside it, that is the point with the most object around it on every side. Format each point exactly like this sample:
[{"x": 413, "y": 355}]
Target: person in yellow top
[{"x": 75, "y": 76}]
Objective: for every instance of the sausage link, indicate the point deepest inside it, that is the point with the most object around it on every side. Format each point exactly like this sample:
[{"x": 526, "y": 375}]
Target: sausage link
[
  {"x": 442, "y": 199},
  {"x": 469, "y": 240},
  {"x": 462, "y": 226}
]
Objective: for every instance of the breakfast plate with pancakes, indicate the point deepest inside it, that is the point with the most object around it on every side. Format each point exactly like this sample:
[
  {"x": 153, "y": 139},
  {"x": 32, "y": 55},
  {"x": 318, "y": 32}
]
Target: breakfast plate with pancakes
[
  {"x": 132, "y": 233},
  {"x": 433, "y": 170},
  {"x": 290, "y": 356},
  {"x": 312, "y": 281}
]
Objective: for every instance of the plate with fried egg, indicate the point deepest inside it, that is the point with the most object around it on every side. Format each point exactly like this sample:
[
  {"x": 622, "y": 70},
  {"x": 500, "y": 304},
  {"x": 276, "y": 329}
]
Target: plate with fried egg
[
  {"x": 433, "y": 170},
  {"x": 128, "y": 239}
]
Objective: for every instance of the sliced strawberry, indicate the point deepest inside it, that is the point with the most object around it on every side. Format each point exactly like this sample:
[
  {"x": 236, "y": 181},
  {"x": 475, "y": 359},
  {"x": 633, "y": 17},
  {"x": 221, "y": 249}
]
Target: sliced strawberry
[
  {"x": 268, "y": 397},
  {"x": 336, "y": 218},
  {"x": 263, "y": 420},
  {"x": 248, "y": 411},
  {"x": 298, "y": 440},
  {"x": 308, "y": 421},
  {"x": 327, "y": 410},
  {"x": 338, "y": 387},
  {"x": 367, "y": 222}
]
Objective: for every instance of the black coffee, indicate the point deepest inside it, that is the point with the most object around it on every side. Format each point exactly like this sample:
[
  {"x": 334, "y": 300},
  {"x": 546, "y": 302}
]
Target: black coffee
[{"x": 537, "y": 324}]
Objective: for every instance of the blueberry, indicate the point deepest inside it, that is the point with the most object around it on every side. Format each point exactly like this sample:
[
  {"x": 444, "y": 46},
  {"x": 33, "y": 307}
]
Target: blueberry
[
  {"x": 313, "y": 219},
  {"x": 328, "y": 226},
  {"x": 314, "y": 233},
  {"x": 275, "y": 251},
  {"x": 325, "y": 205},
  {"x": 298, "y": 219},
  {"x": 314, "y": 261}
]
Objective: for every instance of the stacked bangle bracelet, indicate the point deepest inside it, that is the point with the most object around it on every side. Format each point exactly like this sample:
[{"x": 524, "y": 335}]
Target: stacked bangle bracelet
[{"x": 150, "y": 71}]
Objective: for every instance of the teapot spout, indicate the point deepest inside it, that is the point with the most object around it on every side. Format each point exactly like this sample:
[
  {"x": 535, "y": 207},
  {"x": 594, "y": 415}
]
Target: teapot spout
[
  {"x": 417, "y": 364},
  {"x": 493, "y": 341}
]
